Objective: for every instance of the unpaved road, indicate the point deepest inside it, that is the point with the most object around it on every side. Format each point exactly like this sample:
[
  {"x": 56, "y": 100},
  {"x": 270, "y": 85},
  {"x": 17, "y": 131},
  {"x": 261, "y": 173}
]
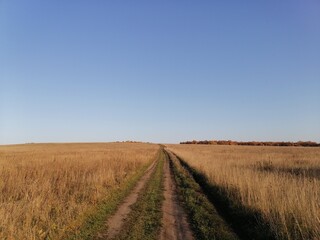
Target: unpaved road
[
  {"x": 115, "y": 222},
  {"x": 174, "y": 221}
]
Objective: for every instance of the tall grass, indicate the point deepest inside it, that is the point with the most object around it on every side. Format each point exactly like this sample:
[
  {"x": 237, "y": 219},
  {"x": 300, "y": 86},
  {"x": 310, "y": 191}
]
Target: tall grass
[
  {"x": 46, "y": 187},
  {"x": 282, "y": 183}
]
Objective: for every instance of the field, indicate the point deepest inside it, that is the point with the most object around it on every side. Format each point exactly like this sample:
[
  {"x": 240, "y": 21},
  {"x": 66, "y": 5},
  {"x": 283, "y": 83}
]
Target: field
[
  {"x": 283, "y": 183},
  {"x": 150, "y": 191},
  {"x": 47, "y": 188}
]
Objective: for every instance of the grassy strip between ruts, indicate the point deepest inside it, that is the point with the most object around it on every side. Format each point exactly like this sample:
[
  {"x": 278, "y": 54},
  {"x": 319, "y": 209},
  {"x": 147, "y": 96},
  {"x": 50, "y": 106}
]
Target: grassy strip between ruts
[
  {"x": 248, "y": 223},
  {"x": 206, "y": 223},
  {"x": 94, "y": 221},
  {"x": 144, "y": 221}
]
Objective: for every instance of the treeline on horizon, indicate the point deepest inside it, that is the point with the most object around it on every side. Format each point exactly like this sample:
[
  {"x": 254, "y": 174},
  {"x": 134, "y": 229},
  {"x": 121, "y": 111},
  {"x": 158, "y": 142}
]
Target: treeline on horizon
[{"x": 254, "y": 143}]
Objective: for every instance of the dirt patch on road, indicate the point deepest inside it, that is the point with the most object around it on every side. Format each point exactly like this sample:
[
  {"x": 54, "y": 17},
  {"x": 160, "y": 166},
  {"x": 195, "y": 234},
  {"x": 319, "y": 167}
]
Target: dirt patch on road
[{"x": 174, "y": 220}]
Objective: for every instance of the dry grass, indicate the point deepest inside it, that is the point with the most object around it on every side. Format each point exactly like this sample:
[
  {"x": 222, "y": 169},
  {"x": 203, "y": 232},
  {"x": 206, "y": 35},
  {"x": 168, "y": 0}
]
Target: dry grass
[
  {"x": 281, "y": 182},
  {"x": 46, "y": 187}
]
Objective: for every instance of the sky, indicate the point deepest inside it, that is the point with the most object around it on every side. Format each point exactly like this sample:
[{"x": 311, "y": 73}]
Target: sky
[{"x": 159, "y": 71}]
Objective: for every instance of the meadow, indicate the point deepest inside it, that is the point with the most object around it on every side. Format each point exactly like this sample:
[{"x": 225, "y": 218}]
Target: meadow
[
  {"x": 281, "y": 183},
  {"x": 51, "y": 191},
  {"x": 47, "y": 188}
]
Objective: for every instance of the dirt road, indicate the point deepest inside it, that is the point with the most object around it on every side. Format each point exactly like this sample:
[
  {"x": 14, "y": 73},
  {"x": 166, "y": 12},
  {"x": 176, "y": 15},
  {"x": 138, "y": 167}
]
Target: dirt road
[
  {"x": 174, "y": 221},
  {"x": 174, "y": 224}
]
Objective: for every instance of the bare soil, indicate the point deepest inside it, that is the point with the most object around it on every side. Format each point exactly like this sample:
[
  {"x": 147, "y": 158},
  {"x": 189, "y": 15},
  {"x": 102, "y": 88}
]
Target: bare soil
[{"x": 174, "y": 220}]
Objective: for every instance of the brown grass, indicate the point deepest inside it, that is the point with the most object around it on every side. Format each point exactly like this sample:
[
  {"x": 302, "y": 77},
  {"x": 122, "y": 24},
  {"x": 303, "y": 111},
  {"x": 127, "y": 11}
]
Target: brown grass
[
  {"x": 46, "y": 187},
  {"x": 281, "y": 182}
]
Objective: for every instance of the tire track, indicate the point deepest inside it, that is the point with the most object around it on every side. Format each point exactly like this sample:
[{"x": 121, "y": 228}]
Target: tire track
[
  {"x": 174, "y": 220},
  {"x": 115, "y": 222}
]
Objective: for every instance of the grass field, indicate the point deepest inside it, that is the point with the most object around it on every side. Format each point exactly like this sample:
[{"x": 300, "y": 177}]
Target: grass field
[
  {"x": 282, "y": 183},
  {"x": 69, "y": 191},
  {"x": 46, "y": 189}
]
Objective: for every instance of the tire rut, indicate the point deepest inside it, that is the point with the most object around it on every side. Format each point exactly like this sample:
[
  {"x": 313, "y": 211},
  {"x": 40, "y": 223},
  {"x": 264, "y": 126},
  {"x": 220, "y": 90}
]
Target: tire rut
[
  {"x": 174, "y": 220},
  {"x": 115, "y": 223}
]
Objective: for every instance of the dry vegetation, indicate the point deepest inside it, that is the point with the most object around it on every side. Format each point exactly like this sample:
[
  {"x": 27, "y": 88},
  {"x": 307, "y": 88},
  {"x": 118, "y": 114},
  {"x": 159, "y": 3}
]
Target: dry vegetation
[
  {"x": 46, "y": 187},
  {"x": 282, "y": 183}
]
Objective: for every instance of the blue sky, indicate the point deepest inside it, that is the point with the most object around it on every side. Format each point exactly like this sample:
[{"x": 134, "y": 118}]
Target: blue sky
[{"x": 160, "y": 71}]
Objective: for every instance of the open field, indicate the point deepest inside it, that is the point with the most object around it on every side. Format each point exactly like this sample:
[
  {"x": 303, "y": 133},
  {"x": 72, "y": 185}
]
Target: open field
[
  {"x": 281, "y": 183},
  {"x": 46, "y": 189},
  {"x": 147, "y": 191}
]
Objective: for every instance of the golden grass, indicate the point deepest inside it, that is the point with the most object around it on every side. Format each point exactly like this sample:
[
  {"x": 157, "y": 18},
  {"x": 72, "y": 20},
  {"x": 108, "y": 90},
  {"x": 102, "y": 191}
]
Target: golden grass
[
  {"x": 46, "y": 187},
  {"x": 281, "y": 182}
]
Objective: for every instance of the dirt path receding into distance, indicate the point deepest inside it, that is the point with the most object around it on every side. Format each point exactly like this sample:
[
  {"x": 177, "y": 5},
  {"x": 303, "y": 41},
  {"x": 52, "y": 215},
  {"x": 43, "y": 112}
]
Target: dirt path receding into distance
[
  {"x": 115, "y": 222},
  {"x": 174, "y": 221}
]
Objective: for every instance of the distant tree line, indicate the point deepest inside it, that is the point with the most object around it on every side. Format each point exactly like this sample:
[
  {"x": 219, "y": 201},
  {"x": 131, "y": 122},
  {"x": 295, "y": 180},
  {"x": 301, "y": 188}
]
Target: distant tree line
[{"x": 254, "y": 143}]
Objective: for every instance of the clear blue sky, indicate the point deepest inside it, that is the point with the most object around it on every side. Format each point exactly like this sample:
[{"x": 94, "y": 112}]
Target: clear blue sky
[{"x": 160, "y": 71}]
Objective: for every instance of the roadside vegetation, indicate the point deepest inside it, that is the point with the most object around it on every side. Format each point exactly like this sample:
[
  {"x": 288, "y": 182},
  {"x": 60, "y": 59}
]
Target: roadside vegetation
[
  {"x": 48, "y": 190},
  {"x": 262, "y": 182}
]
